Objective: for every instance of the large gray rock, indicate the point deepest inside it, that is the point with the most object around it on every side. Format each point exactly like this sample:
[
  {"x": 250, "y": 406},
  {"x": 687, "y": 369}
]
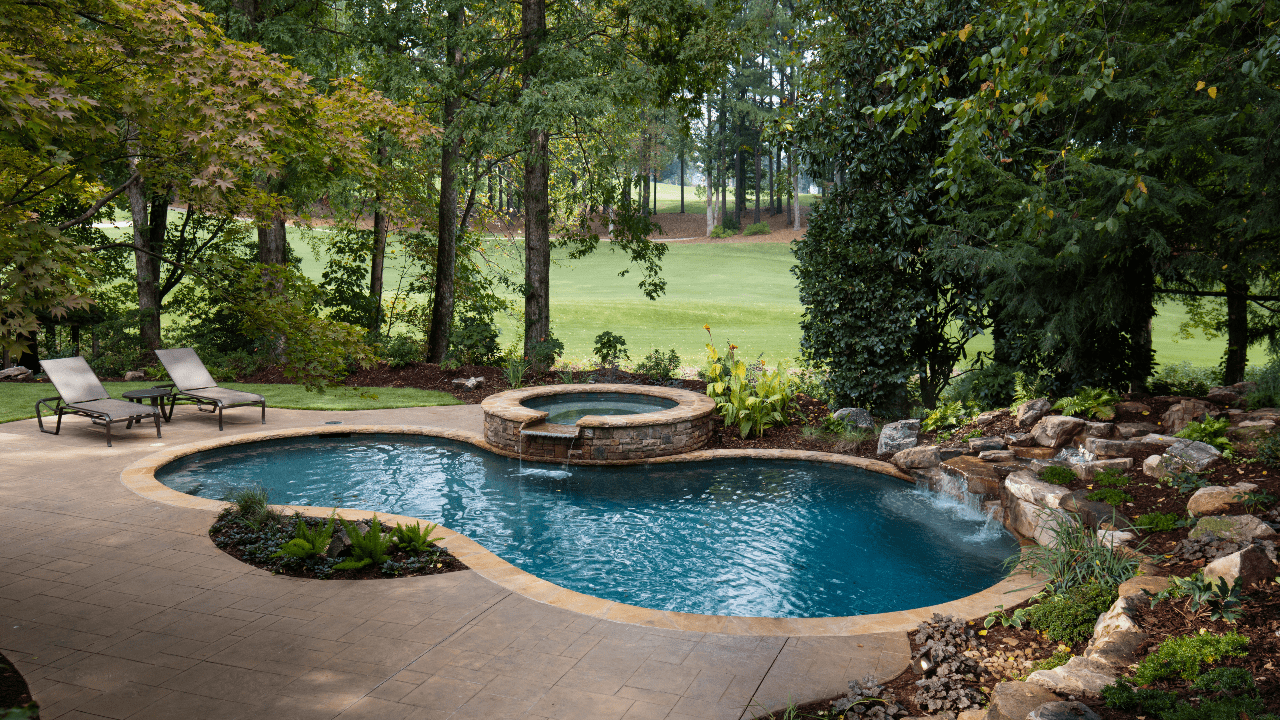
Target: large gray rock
[
  {"x": 1138, "y": 429},
  {"x": 1251, "y": 429},
  {"x": 1142, "y": 585},
  {"x": 986, "y": 443},
  {"x": 1024, "y": 486},
  {"x": 1030, "y": 412},
  {"x": 15, "y": 373},
  {"x": 1251, "y": 565},
  {"x": 132, "y": 375},
  {"x": 1034, "y": 521},
  {"x": 898, "y": 436},
  {"x": 1015, "y": 700},
  {"x": 1154, "y": 466},
  {"x": 980, "y": 478},
  {"x": 1020, "y": 439},
  {"x": 1063, "y": 710},
  {"x": 1218, "y": 500},
  {"x": 1080, "y": 676},
  {"x": 1057, "y": 430},
  {"x": 997, "y": 456},
  {"x": 1099, "y": 429},
  {"x": 1178, "y": 416},
  {"x": 854, "y": 417},
  {"x": 1158, "y": 439},
  {"x": 1236, "y": 527},
  {"x": 1096, "y": 515},
  {"x": 1193, "y": 454},
  {"x": 923, "y": 456},
  {"x": 1090, "y": 470}
]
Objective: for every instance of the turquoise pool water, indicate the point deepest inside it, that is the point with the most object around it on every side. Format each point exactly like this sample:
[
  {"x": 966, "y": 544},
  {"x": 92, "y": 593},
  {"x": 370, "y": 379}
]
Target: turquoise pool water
[
  {"x": 569, "y": 408},
  {"x": 741, "y": 537}
]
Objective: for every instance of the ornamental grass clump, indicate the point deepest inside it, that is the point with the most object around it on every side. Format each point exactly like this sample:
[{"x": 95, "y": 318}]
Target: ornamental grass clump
[{"x": 1075, "y": 557}]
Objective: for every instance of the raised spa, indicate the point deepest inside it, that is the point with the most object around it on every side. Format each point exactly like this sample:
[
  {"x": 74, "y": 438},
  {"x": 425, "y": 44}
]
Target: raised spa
[
  {"x": 597, "y": 423},
  {"x": 733, "y": 537}
]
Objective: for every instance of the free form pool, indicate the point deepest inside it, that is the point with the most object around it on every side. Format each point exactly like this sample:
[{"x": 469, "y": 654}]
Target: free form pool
[{"x": 741, "y": 537}]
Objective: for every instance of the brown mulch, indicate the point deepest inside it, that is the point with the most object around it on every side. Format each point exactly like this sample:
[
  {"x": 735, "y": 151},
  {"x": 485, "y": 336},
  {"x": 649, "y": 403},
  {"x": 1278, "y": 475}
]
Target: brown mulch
[{"x": 13, "y": 688}]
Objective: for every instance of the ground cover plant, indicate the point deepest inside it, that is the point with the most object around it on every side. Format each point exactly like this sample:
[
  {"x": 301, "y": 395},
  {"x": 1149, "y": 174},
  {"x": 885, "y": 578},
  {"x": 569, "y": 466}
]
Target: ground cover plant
[{"x": 252, "y": 532}]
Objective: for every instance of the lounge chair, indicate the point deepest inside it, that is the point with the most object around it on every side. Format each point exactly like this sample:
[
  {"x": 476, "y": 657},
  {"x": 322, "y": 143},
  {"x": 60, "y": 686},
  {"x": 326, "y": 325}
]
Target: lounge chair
[
  {"x": 80, "y": 393},
  {"x": 193, "y": 383}
]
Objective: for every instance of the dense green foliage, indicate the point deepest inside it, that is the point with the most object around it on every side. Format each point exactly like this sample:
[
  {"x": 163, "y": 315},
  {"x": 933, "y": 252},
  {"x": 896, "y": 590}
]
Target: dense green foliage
[
  {"x": 1057, "y": 475},
  {"x": 1076, "y": 558},
  {"x": 1069, "y": 617},
  {"x": 1184, "y": 657}
]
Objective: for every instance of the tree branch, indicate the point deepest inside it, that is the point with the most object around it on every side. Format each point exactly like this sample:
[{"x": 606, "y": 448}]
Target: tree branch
[
  {"x": 1215, "y": 293},
  {"x": 98, "y": 205}
]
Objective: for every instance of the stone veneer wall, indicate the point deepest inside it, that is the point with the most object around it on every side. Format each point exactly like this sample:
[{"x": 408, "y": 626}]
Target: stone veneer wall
[{"x": 674, "y": 431}]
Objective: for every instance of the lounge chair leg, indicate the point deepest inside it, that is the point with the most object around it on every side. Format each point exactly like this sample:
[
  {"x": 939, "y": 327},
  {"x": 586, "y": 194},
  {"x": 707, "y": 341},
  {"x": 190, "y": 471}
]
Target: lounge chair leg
[
  {"x": 219, "y": 418},
  {"x": 264, "y": 413},
  {"x": 157, "y": 417},
  {"x": 108, "y": 433}
]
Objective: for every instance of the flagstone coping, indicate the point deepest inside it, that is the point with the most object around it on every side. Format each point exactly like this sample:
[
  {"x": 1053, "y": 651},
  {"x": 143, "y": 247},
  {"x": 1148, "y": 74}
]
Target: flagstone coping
[{"x": 140, "y": 478}]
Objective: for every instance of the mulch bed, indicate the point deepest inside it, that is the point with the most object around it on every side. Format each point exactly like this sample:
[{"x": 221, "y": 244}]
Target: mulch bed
[
  {"x": 13, "y": 689},
  {"x": 228, "y": 535}
]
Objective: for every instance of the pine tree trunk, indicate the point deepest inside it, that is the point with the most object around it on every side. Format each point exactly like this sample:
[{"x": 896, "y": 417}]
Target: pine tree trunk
[
  {"x": 681, "y": 182},
  {"x": 1237, "y": 357},
  {"x": 537, "y": 210},
  {"x": 757, "y": 220},
  {"x": 447, "y": 233}
]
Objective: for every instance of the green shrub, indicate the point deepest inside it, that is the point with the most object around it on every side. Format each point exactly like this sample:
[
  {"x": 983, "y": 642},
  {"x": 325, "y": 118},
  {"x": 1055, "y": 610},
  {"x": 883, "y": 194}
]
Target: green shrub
[
  {"x": 730, "y": 222},
  {"x": 1269, "y": 450},
  {"x": 1069, "y": 616},
  {"x": 1211, "y": 432},
  {"x": 610, "y": 349},
  {"x": 753, "y": 406},
  {"x": 1111, "y": 478},
  {"x": 947, "y": 415},
  {"x": 1229, "y": 708},
  {"x": 659, "y": 367},
  {"x": 1057, "y": 475},
  {"x": 1184, "y": 656},
  {"x": 1224, "y": 680},
  {"x": 760, "y": 228},
  {"x": 306, "y": 542},
  {"x": 1089, "y": 403},
  {"x": 251, "y": 505},
  {"x": 987, "y": 388},
  {"x": 367, "y": 548},
  {"x": 1267, "y": 393},
  {"x": 401, "y": 351},
  {"x": 474, "y": 340},
  {"x": 1110, "y": 496},
  {"x": 414, "y": 538},
  {"x": 1056, "y": 660},
  {"x": 1184, "y": 379},
  {"x": 1123, "y": 696},
  {"x": 721, "y": 231},
  {"x": 545, "y": 352},
  {"x": 1158, "y": 522}
]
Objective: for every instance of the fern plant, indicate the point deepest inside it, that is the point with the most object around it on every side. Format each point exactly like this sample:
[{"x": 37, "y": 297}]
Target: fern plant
[
  {"x": 306, "y": 542},
  {"x": 367, "y": 548},
  {"x": 1211, "y": 432},
  {"x": 947, "y": 415},
  {"x": 1089, "y": 403},
  {"x": 414, "y": 538}
]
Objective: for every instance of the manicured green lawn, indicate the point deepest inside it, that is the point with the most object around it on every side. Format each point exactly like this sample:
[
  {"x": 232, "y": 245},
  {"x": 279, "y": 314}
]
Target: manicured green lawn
[{"x": 18, "y": 400}]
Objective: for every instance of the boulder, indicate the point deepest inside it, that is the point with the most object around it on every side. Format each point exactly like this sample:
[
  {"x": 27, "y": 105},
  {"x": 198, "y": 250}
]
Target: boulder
[
  {"x": 1096, "y": 515},
  {"x": 929, "y": 478},
  {"x": 1080, "y": 676},
  {"x": 1271, "y": 414},
  {"x": 1193, "y": 454},
  {"x": 946, "y": 453},
  {"x": 1154, "y": 466},
  {"x": 1114, "y": 537},
  {"x": 1034, "y": 453},
  {"x": 997, "y": 456},
  {"x": 923, "y": 456},
  {"x": 1133, "y": 407},
  {"x": 1180, "y": 414},
  {"x": 1216, "y": 499},
  {"x": 1251, "y": 429},
  {"x": 1056, "y": 430},
  {"x": 1034, "y": 521},
  {"x": 1090, "y": 470},
  {"x": 1158, "y": 439},
  {"x": 1030, "y": 412},
  {"x": 980, "y": 478},
  {"x": 1222, "y": 396},
  {"x": 1117, "y": 619},
  {"x": 1130, "y": 430},
  {"x": 469, "y": 383},
  {"x": 1243, "y": 388},
  {"x": 988, "y": 417},
  {"x": 986, "y": 443},
  {"x": 1099, "y": 429},
  {"x": 132, "y": 375},
  {"x": 1015, "y": 700},
  {"x": 340, "y": 544},
  {"x": 1251, "y": 565},
  {"x": 1024, "y": 486},
  {"x": 854, "y": 417},
  {"x": 1020, "y": 439},
  {"x": 898, "y": 436},
  {"x": 1240, "y": 528},
  {"x": 1063, "y": 710},
  {"x": 15, "y": 373},
  {"x": 1142, "y": 585}
]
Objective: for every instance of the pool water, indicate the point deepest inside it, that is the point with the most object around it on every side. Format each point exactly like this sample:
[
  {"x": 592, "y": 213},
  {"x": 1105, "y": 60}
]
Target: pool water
[
  {"x": 569, "y": 408},
  {"x": 741, "y": 537}
]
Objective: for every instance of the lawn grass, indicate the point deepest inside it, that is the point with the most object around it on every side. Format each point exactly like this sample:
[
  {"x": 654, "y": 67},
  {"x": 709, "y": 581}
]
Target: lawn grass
[{"x": 18, "y": 400}]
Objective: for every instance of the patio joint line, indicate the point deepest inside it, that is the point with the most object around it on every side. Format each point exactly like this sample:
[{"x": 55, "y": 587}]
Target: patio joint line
[
  {"x": 469, "y": 624},
  {"x": 765, "y": 675}
]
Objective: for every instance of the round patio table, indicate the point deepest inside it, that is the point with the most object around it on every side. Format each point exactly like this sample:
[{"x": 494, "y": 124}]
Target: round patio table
[{"x": 155, "y": 394}]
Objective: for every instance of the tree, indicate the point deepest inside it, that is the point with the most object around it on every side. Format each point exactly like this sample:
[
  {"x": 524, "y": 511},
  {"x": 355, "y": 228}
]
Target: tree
[
  {"x": 1102, "y": 154},
  {"x": 878, "y": 310}
]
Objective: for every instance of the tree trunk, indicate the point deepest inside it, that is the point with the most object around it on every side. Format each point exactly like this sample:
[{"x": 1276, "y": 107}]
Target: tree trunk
[
  {"x": 796, "y": 200},
  {"x": 146, "y": 265},
  {"x": 681, "y": 182},
  {"x": 271, "y": 241},
  {"x": 537, "y": 210},
  {"x": 447, "y": 235},
  {"x": 757, "y": 220},
  {"x": 1237, "y": 331}
]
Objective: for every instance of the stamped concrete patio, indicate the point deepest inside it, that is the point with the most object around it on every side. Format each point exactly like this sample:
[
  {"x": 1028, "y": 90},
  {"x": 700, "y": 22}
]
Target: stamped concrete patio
[{"x": 115, "y": 606}]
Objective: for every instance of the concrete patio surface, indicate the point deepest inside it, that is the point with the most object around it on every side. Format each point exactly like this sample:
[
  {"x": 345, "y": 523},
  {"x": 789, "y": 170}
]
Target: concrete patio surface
[{"x": 115, "y": 606}]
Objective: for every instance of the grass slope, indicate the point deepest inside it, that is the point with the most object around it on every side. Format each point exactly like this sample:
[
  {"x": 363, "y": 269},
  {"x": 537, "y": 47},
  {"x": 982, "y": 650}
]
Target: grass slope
[{"x": 18, "y": 400}]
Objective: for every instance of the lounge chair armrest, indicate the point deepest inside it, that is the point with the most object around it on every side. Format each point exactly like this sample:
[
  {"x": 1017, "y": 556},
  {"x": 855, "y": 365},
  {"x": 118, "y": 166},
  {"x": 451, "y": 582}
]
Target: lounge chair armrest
[{"x": 165, "y": 385}]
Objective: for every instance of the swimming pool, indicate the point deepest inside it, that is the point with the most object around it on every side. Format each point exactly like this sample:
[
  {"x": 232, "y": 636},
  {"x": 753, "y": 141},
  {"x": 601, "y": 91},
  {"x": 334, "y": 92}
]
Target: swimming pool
[{"x": 742, "y": 537}]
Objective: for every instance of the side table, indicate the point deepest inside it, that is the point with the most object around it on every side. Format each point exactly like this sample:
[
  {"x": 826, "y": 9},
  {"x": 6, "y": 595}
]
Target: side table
[{"x": 157, "y": 396}]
